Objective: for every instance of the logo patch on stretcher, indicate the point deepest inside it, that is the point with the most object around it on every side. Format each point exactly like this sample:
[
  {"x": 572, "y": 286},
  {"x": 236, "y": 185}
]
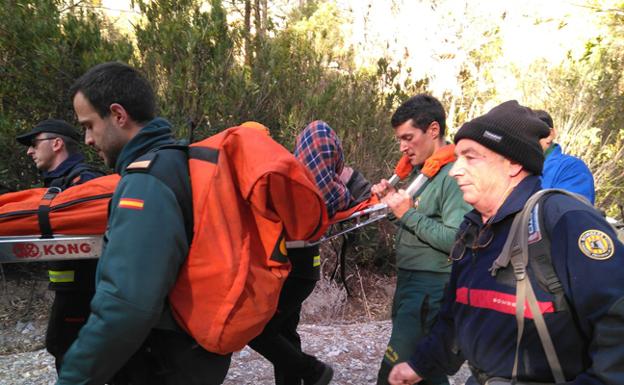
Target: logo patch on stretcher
[
  {"x": 596, "y": 245},
  {"x": 131, "y": 203}
]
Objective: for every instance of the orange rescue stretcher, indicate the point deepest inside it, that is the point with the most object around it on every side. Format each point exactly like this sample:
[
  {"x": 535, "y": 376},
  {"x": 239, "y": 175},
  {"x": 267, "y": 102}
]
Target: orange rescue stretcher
[
  {"x": 372, "y": 210},
  {"x": 71, "y": 224},
  {"x": 68, "y": 224}
]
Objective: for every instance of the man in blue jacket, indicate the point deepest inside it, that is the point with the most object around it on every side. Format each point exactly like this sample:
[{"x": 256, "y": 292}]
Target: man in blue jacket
[
  {"x": 561, "y": 170},
  {"x": 498, "y": 167},
  {"x": 130, "y": 336},
  {"x": 53, "y": 146}
]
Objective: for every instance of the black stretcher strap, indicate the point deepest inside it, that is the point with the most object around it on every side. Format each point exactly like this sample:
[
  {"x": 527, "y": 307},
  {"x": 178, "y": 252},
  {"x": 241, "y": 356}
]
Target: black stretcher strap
[{"x": 43, "y": 214}]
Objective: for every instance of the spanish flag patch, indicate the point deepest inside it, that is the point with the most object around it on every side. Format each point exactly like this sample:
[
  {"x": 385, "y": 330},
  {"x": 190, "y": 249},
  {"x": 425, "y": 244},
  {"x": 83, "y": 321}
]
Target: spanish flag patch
[{"x": 130, "y": 203}]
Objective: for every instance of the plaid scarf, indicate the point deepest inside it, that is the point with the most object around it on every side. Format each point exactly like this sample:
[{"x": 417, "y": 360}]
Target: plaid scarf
[{"x": 319, "y": 149}]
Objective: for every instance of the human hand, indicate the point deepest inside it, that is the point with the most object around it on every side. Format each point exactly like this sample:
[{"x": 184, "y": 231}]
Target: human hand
[
  {"x": 382, "y": 188},
  {"x": 345, "y": 175},
  {"x": 403, "y": 374},
  {"x": 399, "y": 202}
]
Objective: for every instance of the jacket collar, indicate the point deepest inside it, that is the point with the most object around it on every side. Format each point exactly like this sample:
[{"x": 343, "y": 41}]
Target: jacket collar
[
  {"x": 554, "y": 150},
  {"x": 154, "y": 134},
  {"x": 64, "y": 167},
  {"x": 514, "y": 202},
  {"x": 445, "y": 155}
]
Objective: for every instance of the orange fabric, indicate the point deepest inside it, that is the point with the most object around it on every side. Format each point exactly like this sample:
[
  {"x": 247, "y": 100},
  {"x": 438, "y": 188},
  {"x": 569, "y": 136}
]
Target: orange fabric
[
  {"x": 258, "y": 126},
  {"x": 435, "y": 162},
  {"x": 403, "y": 168},
  {"x": 70, "y": 214},
  {"x": 245, "y": 206},
  {"x": 342, "y": 215}
]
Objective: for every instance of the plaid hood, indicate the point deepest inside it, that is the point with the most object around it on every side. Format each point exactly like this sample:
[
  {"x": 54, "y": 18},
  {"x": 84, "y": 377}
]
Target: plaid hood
[{"x": 320, "y": 150}]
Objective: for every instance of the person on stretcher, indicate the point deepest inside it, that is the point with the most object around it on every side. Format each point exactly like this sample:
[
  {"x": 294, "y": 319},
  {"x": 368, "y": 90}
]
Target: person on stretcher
[{"x": 319, "y": 149}]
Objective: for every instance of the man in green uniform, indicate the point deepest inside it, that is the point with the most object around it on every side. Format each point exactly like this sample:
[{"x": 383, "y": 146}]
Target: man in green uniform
[
  {"x": 130, "y": 336},
  {"x": 426, "y": 230}
]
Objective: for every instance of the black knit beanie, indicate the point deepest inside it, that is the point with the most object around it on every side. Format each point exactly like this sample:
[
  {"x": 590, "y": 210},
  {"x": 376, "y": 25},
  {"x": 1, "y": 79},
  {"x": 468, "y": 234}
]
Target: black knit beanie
[{"x": 511, "y": 130}]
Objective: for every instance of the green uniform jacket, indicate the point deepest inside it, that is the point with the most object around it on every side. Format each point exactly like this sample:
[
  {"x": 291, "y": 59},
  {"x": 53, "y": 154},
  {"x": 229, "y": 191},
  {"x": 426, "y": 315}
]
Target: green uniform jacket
[
  {"x": 426, "y": 233},
  {"x": 144, "y": 246}
]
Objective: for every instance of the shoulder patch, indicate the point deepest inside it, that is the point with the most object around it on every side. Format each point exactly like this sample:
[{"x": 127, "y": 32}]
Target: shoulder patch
[
  {"x": 596, "y": 244},
  {"x": 139, "y": 165},
  {"x": 535, "y": 234},
  {"x": 131, "y": 203},
  {"x": 143, "y": 163}
]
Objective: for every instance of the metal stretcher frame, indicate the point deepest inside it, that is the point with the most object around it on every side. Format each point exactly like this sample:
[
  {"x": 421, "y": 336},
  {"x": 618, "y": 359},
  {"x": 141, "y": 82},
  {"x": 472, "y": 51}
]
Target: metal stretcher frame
[
  {"x": 63, "y": 247},
  {"x": 356, "y": 220},
  {"x": 363, "y": 217}
]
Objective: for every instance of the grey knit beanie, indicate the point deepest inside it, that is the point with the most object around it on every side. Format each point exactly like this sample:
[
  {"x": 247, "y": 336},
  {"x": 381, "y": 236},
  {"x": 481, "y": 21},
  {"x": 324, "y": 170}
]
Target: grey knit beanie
[{"x": 511, "y": 130}]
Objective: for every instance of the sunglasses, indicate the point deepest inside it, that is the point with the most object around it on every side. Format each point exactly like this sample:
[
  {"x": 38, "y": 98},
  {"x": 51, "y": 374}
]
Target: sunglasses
[
  {"x": 34, "y": 142},
  {"x": 472, "y": 238}
]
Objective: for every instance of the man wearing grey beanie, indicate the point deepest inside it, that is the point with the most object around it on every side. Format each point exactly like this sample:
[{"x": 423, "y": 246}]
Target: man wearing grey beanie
[{"x": 499, "y": 161}]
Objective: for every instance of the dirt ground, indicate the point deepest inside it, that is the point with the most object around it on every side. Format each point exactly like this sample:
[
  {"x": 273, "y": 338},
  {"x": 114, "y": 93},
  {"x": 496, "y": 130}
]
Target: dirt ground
[
  {"x": 26, "y": 302},
  {"x": 24, "y": 307},
  {"x": 349, "y": 333}
]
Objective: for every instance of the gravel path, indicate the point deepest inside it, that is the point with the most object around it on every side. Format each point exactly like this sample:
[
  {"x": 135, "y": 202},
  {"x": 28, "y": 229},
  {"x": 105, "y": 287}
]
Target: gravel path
[{"x": 354, "y": 350}]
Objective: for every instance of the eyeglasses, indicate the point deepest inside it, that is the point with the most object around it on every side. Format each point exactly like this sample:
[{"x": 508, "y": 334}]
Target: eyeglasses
[
  {"x": 473, "y": 239},
  {"x": 34, "y": 142}
]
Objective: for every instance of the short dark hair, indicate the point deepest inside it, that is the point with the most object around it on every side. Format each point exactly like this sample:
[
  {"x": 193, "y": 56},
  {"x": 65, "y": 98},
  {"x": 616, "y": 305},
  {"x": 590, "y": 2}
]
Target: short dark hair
[
  {"x": 544, "y": 117},
  {"x": 423, "y": 109},
  {"x": 115, "y": 82},
  {"x": 71, "y": 146}
]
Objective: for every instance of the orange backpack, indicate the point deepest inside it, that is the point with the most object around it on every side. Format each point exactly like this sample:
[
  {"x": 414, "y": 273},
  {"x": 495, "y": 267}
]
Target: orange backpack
[{"x": 249, "y": 195}]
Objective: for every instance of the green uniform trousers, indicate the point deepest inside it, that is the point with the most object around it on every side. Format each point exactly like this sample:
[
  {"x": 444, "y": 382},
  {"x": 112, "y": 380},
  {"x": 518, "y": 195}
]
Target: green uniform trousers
[{"x": 417, "y": 300}]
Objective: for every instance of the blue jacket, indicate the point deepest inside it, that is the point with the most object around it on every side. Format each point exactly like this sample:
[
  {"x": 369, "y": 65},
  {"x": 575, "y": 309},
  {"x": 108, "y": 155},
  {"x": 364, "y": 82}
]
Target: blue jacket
[
  {"x": 568, "y": 173},
  {"x": 144, "y": 246},
  {"x": 72, "y": 171},
  {"x": 477, "y": 321},
  {"x": 59, "y": 176}
]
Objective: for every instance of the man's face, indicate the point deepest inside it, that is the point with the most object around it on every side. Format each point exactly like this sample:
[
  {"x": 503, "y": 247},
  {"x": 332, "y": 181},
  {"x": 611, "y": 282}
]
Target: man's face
[
  {"x": 417, "y": 144},
  {"x": 100, "y": 133},
  {"x": 482, "y": 175},
  {"x": 547, "y": 141},
  {"x": 41, "y": 150}
]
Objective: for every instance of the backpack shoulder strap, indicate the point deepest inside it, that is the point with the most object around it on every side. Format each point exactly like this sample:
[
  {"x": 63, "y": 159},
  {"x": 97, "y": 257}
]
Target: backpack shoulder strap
[
  {"x": 518, "y": 237},
  {"x": 516, "y": 252},
  {"x": 170, "y": 165},
  {"x": 68, "y": 180}
]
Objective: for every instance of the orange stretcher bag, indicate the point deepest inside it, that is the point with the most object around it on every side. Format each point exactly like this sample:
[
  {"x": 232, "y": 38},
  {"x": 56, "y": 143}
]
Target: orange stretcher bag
[
  {"x": 250, "y": 195},
  {"x": 78, "y": 210}
]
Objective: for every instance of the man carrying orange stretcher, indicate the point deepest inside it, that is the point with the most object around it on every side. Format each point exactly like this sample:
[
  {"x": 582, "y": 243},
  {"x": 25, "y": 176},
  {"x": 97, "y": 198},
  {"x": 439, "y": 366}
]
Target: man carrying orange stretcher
[
  {"x": 53, "y": 146},
  {"x": 426, "y": 227}
]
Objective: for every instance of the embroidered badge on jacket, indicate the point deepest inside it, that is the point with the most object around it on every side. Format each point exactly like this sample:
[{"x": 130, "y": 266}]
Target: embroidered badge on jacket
[
  {"x": 596, "y": 244},
  {"x": 131, "y": 203}
]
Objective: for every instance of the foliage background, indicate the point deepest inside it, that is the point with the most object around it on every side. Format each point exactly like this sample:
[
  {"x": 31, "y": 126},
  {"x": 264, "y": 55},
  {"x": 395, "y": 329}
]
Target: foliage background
[{"x": 218, "y": 63}]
